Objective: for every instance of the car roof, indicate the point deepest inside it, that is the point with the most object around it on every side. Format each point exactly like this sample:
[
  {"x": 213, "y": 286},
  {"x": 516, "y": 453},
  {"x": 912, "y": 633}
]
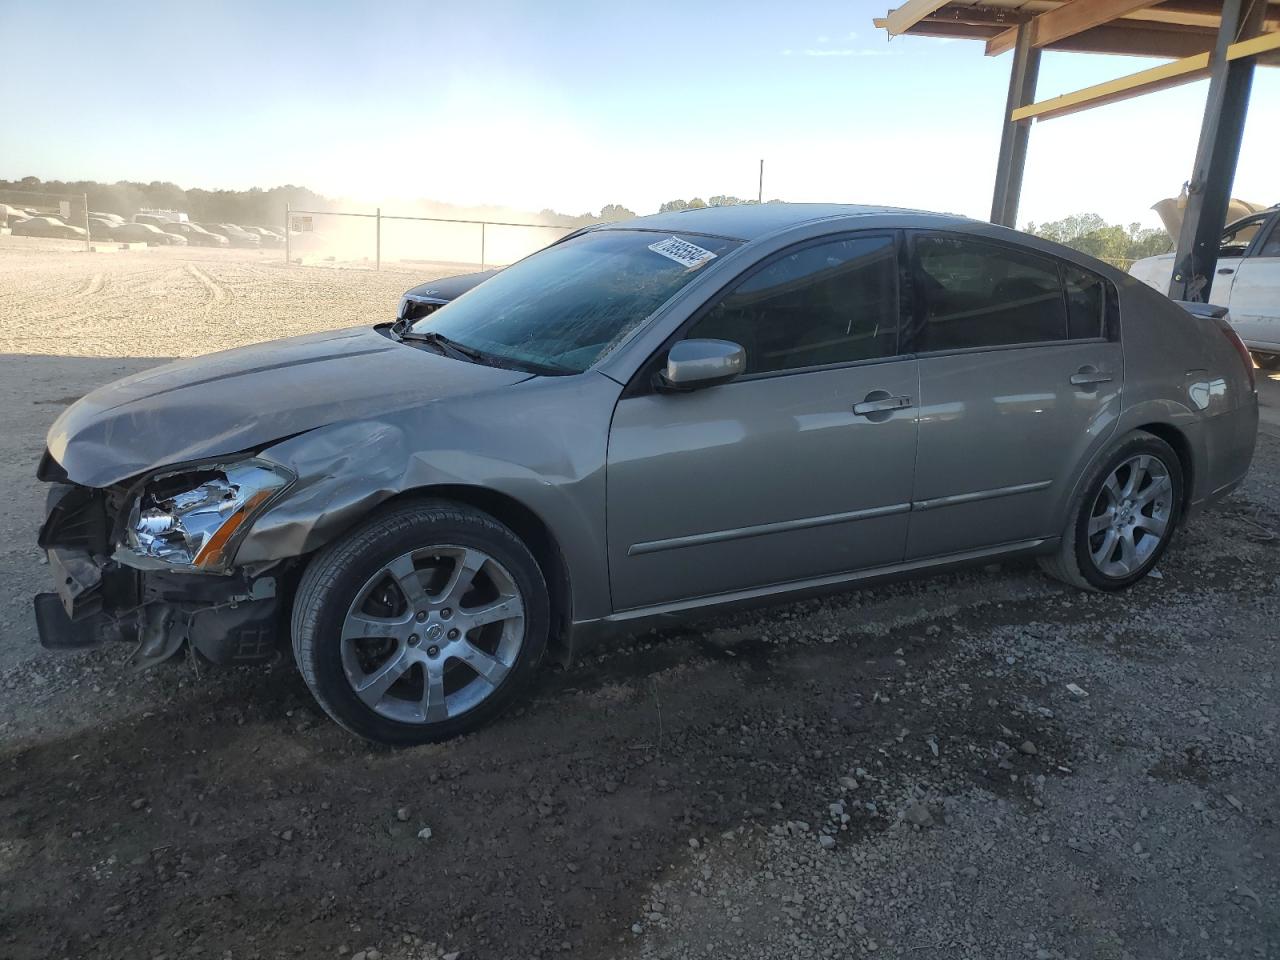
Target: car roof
[{"x": 750, "y": 221}]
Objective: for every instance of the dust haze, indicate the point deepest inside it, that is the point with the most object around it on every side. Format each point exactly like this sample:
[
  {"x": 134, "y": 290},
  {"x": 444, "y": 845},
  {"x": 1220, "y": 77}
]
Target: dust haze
[{"x": 417, "y": 232}]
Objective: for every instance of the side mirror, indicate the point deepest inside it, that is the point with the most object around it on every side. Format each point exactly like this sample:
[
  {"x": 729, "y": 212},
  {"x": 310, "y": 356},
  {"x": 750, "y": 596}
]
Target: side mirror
[{"x": 692, "y": 364}]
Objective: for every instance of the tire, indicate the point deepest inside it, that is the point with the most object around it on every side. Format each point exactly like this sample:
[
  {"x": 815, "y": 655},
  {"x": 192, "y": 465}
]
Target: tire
[
  {"x": 1154, "y": 502},
  {"x": 469, "y": 644}
]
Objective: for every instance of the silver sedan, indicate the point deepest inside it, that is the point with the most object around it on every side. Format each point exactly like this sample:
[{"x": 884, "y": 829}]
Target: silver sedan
[{"x": 664, "y": 416}]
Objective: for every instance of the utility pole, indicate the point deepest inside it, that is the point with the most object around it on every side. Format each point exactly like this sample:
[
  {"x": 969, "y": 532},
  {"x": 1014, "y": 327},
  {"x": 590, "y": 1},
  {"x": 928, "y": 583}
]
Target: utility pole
[{"x": 760, "y": 189}]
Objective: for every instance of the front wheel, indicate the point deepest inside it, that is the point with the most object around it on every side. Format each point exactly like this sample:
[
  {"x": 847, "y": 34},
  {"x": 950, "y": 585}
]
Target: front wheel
[
  {"x": 422, "y": 624},
  {"x": 1123, "y": 518}
]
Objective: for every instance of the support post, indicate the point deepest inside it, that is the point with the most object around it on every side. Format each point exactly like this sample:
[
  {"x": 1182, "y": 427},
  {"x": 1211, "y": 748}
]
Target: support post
[
  {"x": 287, "y": 219},
  {"x": 1013, "y": 139},
  {"x": 88, "y": 243},
  {"x": 481, "y": 246},
  {"x": 377, "y": 263},
  {"x": 1221, "y": 130},
  {"x": 760, "y": 187}
]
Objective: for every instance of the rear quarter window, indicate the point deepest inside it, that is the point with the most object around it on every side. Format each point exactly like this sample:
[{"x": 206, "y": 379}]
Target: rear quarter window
[{"x": 1088, "y": 303}]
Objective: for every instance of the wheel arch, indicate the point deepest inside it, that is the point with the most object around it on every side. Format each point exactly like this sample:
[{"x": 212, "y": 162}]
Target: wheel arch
[
  {"x": 1176, "y": 436},
  {"x": 1181, "y": 445},
  {"x": 529, "y": 527}
]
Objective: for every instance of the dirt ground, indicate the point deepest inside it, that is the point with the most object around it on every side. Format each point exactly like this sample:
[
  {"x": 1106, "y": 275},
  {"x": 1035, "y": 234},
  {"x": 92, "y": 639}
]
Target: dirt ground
[{"x": 896, "y": 772}]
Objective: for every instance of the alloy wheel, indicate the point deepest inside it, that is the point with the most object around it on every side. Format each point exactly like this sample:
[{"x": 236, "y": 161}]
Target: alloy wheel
[
  {"x": 1130, "y": 516},
  {"x": 432, "y": 634}
]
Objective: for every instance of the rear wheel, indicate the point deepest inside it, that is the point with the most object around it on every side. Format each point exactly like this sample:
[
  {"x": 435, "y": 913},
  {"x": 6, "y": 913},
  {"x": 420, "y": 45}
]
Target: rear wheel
[
  {"x": 1123, "y": 518},
  {"x": 422, "y": 624}
]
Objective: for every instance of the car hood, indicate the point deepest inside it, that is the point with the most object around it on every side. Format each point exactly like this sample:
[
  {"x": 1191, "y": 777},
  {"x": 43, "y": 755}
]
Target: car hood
[{"x": 227, "y": 402}]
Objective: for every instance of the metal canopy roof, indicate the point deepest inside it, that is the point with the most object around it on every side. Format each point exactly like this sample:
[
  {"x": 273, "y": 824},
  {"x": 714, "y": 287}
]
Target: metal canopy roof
[
  {"x": 1222, "y": 40},
  {"x": 1175, "y": 28}
]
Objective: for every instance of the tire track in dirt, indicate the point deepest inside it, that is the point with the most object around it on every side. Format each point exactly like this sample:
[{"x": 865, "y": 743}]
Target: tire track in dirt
[
  {"x": 217, "y": 295},
  {"x": 94, "y": 286}
]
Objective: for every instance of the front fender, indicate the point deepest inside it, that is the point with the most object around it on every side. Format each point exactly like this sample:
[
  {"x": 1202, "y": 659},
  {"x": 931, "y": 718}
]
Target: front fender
[{"x": 546, "y": 451}]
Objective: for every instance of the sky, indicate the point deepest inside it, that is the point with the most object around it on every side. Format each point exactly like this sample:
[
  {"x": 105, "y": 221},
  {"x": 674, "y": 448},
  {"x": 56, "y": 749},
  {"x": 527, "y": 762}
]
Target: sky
[{"x": 572, "y": 105}]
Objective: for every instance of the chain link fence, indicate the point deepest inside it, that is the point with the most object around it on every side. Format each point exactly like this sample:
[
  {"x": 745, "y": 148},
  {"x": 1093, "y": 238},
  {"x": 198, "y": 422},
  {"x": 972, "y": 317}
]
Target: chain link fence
[
  {"x": 59, "y": 216},
  {"x": 373, "y": 239}
]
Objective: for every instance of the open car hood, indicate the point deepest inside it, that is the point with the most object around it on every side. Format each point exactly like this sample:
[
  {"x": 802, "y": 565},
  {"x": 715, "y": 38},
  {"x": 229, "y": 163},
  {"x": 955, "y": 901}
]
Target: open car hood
[{"x": 238, "y": 399}]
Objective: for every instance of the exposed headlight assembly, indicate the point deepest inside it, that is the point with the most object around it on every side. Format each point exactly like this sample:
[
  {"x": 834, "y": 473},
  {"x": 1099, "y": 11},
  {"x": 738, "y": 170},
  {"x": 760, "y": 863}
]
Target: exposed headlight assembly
[{"x": 191, "y": 518}]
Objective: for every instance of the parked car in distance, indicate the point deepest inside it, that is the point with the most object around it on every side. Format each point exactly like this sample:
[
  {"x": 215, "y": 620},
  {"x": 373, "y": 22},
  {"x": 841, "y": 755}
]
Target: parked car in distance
[
  {"x": 197, "y": 236},
  {"x": 112, "y": 217},
  {"x": 238, "y": 236},
  {"x": 671, "y": 415},
  {"x": 47, "y": 226},
  {"x": 10, "y": 215},
  {"x": 268, "y": 236},
  {"x": 1247, "y": 281},
  {"x": 146, "y": 233},
  {"x": 163, "y": 221},
  {"x": 101, "y": 229}
]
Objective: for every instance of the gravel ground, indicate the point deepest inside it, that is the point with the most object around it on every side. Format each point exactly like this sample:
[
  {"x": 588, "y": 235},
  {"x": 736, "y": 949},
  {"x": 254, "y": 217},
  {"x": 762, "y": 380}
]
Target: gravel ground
[{"x": 898, "y": 772}]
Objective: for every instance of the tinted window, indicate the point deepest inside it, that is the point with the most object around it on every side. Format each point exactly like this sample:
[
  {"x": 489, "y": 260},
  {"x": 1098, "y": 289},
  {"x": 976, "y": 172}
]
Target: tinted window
[
  {"x": 976, "y": 294},
  {"x": 1086, "y": 303},
  {"x": 833, "y": 302}
]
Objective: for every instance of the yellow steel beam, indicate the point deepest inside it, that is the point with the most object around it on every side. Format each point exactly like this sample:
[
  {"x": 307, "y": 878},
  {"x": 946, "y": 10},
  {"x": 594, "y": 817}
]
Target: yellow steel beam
[
  {"x": 1145, "y": 81},
  {"x": 1122, "y": 88},
  {"x": 1071, "y": 18},
  {"x": 909, "y": 14},
  {"x": 1262, "y": 43}
]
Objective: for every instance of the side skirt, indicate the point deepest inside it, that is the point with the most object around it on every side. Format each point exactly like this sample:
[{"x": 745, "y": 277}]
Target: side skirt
[{"x": 584, "y": 634}]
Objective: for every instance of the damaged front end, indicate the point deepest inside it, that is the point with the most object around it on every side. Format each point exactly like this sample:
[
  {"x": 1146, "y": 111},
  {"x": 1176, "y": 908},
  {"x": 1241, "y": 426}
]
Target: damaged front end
[{"x": 150, "y": 562}]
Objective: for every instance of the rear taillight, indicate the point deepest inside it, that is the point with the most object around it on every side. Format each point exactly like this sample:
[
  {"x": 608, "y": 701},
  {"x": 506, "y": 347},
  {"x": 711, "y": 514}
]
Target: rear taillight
[{"x": 1245, "y": 356}]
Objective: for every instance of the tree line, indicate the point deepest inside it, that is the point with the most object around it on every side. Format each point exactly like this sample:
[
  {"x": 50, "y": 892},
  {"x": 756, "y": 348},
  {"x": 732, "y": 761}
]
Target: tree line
[
  {"x": 258, "y": 206},
  {"x": 1089, "y": 233}
]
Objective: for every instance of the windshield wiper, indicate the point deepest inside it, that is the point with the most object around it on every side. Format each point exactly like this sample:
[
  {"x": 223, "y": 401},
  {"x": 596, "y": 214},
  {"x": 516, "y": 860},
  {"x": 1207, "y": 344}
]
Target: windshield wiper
[
  {"x": 448, "y": 346},
  {"x": 452, "y": 348}
]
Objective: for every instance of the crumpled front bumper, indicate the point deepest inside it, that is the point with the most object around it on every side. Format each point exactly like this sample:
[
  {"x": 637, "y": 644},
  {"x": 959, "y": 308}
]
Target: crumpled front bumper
[
  {"x": 229, "y": 619},
  {"x": 76, "y": 614}
]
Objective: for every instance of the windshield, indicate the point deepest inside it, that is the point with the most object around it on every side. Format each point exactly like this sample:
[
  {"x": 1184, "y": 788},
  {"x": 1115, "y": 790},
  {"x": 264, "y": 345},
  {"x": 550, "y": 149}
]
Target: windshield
[{"x": 568, "y": 305}]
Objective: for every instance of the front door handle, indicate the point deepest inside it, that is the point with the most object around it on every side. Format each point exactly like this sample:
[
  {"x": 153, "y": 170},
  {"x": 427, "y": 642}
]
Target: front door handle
[
  {"x": 1226, "y": 271},
  {"x": 1088, "y": 378},
  {"x": 878, "y": 401}
]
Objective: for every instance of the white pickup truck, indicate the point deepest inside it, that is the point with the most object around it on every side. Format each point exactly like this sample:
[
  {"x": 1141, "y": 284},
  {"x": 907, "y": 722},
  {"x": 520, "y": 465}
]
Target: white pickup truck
[{"x": 1247, "y": 281}]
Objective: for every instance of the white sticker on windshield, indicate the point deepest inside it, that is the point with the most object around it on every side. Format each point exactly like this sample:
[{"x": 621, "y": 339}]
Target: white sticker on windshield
[{"x": 682, "y": 252}]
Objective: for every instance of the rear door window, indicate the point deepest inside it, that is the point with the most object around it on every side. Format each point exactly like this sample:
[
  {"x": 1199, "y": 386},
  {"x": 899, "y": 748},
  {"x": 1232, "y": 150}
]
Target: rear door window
[{"x": 971, "y": 294}]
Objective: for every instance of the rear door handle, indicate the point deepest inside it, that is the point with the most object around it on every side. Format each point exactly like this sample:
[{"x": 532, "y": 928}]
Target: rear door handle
[
  {"x": 880, "y": 404},
  {"x": 1226, "y": 271},
  {"x": 1085, "y": 378}
]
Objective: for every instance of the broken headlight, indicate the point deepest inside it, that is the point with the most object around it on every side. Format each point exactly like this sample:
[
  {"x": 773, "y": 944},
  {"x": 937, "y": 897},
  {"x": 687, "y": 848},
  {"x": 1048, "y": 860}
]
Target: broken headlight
[{"x": 191, "y": 518}]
